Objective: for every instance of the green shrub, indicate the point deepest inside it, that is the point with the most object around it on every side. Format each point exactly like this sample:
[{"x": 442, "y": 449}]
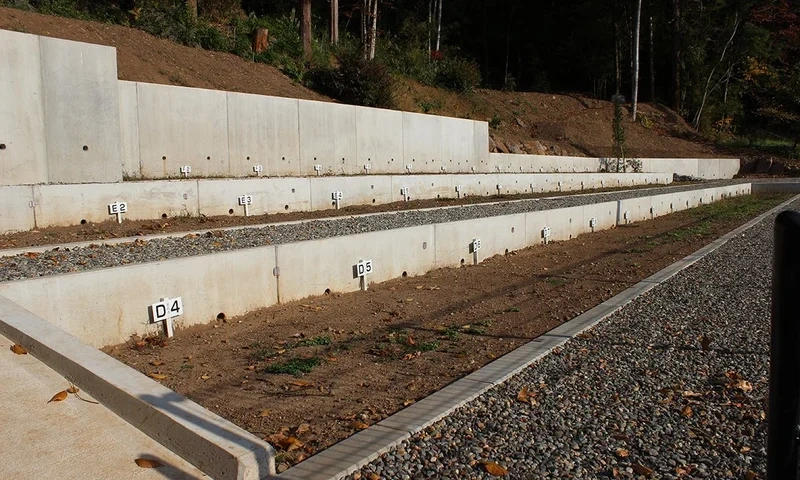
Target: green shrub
[
  {"x": 355, "y": 80},
  {"x": 168, "y": 19},
  {"x": 458, "y": 74},
  {"x": 210, "y": 37}
]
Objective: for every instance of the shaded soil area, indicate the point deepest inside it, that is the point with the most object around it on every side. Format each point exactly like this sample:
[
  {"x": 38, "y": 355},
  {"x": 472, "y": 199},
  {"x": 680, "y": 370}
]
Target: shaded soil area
[
  {"x": 562, "y": 124},
  {"x": 307, "y": 374},
  {"x": 135, "y": 228}
]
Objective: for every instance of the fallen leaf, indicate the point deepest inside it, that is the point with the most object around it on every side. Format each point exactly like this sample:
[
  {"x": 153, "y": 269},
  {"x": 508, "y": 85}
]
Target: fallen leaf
[
  {"x": 205, "y": 377},
  {"x": 148, "y": 463},
  {"x": 157, "y": 376},
  {"x": 31, "y": 254},
  {"x": 408, "y": 402},
  {"x": 743, "y": 385},
  {"x": 60, "y": 396},
  {"x": 264, "y": 413},
  {"x": 291, "y": 443},
  {"x": 410, "y": 340},
  {"x": 359, "y": 425},
  {"x": 73, "y": 389},
  {"x": 744, "y": 449},
  {"x": 690, "y": 394},
  {"x": 622, "y": 453},
  {"x": 705, "y": 343},
  {"x": 750, "y": 475},
  {"x": 525, "y": 396},
  {"x": 687, "y": 411},
  {"x": 642, "y": 470},
  {"x": 494, "y": 469},
  {"x": 18, "y": 349},
  {"x": 156, "y": 363},
  {"x": 303, "y": 428}
]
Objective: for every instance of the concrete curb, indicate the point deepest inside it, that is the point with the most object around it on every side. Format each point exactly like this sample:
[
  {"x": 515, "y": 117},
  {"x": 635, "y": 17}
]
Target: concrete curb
[
  {"x": 211, "y": 443},
  {"x": 354, "y": 452}
]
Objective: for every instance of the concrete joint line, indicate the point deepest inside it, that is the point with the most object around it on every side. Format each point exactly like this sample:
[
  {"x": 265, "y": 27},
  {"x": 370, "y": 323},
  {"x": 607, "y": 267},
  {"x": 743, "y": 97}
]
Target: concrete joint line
[{"x": 583, "y": 322}]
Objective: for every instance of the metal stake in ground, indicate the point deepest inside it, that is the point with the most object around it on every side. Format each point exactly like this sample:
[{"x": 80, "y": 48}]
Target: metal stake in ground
[
  {"x": 474, "y": 247},
  {"x": 362, "y": 269},
  {"x": 118, "y": 208}
]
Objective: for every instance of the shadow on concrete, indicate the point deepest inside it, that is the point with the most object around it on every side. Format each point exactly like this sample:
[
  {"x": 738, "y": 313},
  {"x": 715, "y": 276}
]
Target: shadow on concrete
[{"x": 171, "y": 403}]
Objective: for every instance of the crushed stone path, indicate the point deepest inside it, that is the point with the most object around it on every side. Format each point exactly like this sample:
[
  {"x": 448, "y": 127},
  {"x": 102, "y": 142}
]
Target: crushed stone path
[
  {"x": 70, "y": 438},
  {"x": 671, "y": 386}
]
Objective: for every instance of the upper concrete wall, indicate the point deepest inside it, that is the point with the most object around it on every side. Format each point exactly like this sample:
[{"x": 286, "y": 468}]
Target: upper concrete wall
[{"x": 61, "y": 116}]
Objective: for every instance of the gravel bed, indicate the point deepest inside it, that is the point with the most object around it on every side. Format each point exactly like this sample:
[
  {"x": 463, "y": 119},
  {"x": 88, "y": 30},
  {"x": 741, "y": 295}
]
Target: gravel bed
[
  {"x": 635, "y": 397},
  {"x": 63, "y": 260}
]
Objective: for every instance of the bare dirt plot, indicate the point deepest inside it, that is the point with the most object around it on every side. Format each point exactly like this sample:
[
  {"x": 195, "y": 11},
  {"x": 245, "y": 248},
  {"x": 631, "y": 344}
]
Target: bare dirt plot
[{"x": 307, "y": 374}]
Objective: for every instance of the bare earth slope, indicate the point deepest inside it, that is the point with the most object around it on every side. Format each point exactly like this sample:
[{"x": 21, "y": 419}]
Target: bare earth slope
[{"x": 561, "y": 124}]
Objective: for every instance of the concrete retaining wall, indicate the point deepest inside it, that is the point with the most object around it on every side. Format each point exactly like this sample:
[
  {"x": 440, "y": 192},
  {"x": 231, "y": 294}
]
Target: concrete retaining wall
[
  {"x": 63, "y": 205},
  {"x": 107, "y": 306}
]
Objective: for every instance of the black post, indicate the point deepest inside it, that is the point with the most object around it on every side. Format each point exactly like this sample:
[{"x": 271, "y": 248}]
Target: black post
[{"x": 784, "y": 376}]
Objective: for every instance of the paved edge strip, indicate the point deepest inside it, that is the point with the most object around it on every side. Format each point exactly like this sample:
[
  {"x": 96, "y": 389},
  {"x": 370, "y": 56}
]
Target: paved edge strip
[
  {"x": 354, "y": 452},
  {"x": 10, "y": 252},
  {"x": 209, "y": 442}
]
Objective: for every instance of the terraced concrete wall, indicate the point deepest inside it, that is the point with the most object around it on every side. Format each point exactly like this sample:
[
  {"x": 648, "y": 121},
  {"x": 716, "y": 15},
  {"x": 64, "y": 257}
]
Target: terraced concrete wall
[
  {"x": 38, "y": 206},
  {"x": 61, "y": 115},
  {"x": 705, "y": 168},
  {"x": 106, "y": 306}
]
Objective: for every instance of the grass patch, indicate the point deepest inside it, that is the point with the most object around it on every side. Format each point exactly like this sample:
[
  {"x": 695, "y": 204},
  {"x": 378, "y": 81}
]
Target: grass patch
[
  {"x": 556, "y": 281},
  {"x": 295, "y": 366},
  {"x": 511, "y": 310},
  {"x": 451, "y": 333},
  {"x": 321, "y": 341}
]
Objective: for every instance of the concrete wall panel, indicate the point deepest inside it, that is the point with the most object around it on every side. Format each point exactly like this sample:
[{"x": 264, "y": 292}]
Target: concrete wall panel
[
  {"x": 309, "y": 268},
  {"x": 273, "y": 195},
  {"x": 423, "y": 186},
  {"x": 61, "y": 205},
  {"x": 23, "y": 158},
  {"x": 457, "y": 146},
  {"x": 480, "y": 155},
  {"x": 605, "y": 213},
  {"x": 361, "y": 190},
  {"x": 422, "y": 140},
  {"x": 104, "y": 307},
  {"x": 81, "y": 111},
  {"x": 497, "y": 234},
  {"x": 129, "y": 129},
  {"x": 379, "y": 140},
  {"x": 16, "y": 214},
  {"x": 327, "y": 138},
  {"x": 476, "y": 185},
  {"x": 263, "y": 131},
  {"x": 182, "y": 126}
]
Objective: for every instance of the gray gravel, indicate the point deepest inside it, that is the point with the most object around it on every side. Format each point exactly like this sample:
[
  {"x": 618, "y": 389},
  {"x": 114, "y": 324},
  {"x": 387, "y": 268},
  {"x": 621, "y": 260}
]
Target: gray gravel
[
  {"x": 59, "y": 260},
  {"x": 638, "y": 393}
]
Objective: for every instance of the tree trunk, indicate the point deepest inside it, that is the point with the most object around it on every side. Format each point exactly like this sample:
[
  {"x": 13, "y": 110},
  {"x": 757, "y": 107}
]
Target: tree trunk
[
  {"x": 439, "y": 28},
  {"x": 635, "y": 77},
  {"x": 675, "y": 90},
  {"x": 706, "y": 91},
  {"x": 364, "y": 15},
  {"x": 305, "y": 27},
  {"x": 335, "y": 22},
  {"x": 617, "y": 53},
  {"x": 191, "y": 5},
  {"x": 508, "y": 42},
  {"x": 430, "y": 25},
  {"x": 652, "y": 62},
  {"x": 373, "y": 30}
]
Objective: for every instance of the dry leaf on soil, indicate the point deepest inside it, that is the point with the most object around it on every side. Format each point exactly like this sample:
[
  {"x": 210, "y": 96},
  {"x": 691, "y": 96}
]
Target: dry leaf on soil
[
  {"x": 157, "y": 376},
  {"x": 19, "y": 349},
  {"x": 156, "y": 363},
  {"x": 494, "y": 469},
  {"x": 59, "y": 397},
  {"x": 524, "y": 396},
  {"x": 148, "y": 463},
  {"x": 687, "y": 411},
  {"x": 303, "y": 428},
  {"x": 264, "y": 413},
  {"x": 358, "y": 425},
  {"x": 622, "y": 453}
]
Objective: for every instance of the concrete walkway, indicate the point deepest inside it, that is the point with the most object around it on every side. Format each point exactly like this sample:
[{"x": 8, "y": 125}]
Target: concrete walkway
[{"x": 71, "y": 438}]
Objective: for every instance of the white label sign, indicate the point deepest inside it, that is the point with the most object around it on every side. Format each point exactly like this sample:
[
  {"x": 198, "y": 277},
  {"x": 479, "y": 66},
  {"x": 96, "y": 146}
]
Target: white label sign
[
  {"x": 245, "y": 200},
  {"x": 258, "y": 168},
  {"x": 117, "y": 208},
  {"x": 476, "y": 244},
  {"x": 409, "y": 167},
  {"x": 459, "y": 188},
  {"x": 166, "y": 309},
  {"x": 404, "y": 191},
  {"x": 317, "y": 168},
  {"x": 546, "y": 232},
  {"x": 186, "y": 169},
  {"x": 336, "y": 196},
  {"x": 593, "y": 223},
  {"x": 364, "y": 268}
]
